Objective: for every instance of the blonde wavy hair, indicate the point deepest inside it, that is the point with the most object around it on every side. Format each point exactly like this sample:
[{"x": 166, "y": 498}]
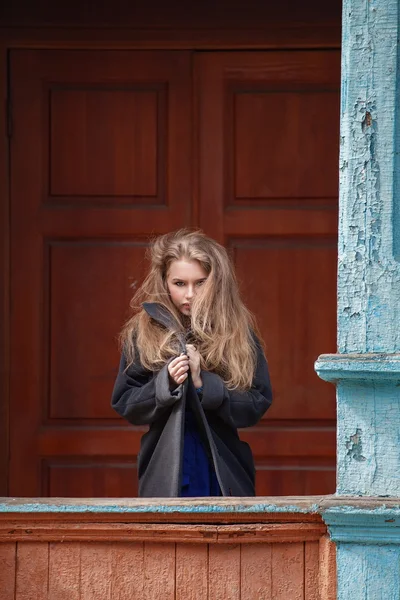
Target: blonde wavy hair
[{"x": 220, "y": 325}]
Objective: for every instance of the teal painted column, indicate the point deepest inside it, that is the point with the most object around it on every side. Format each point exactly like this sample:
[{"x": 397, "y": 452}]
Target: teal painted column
[
  {"x": 368, "y": 557},
  {"x": 366, "y": 369}
]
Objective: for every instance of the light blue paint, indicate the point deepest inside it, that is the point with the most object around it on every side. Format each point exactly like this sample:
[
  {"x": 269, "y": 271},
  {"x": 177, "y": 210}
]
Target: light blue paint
[
  {"x": 396, "y": 195},
  {"x": 368, "y": 274},
  {"x": 367, "y": 370},
  {"x": 19, "y": 506},
  {"x": 369, "y": 419},
  {"x": 368, "y": 573},
  {"x": 368, "y": 551},
  {"x": 359, "y": 367},
  {"x": 351, "y": 524},
  {"x": 368, "y": 429}
]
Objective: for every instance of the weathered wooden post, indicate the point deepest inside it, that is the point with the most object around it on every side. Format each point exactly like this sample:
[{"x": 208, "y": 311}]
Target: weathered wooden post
[{"x": 366, "y": 369}]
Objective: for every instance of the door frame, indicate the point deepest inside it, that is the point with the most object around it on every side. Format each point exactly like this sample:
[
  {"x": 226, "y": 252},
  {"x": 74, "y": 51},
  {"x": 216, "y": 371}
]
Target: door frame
[{"x": 289, "y": 36}]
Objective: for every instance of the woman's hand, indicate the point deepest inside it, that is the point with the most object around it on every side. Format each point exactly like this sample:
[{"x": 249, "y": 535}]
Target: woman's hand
[
  {"x": 178, "y": 369},
  {"x": 194, "y": 364}
]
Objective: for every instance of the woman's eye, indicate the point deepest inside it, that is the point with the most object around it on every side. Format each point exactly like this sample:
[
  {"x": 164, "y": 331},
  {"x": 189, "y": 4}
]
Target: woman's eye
[
  {"x": 179, "y": 283},
  {"x": 201, "y": 282}
]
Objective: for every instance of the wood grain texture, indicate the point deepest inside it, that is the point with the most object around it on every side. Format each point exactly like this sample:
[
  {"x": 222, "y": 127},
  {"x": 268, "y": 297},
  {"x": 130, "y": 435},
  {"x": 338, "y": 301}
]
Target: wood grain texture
[
  {"x": 84, "y": 162},
  {"x": 127, "y": 571},
  {"x": 32, "y": 571},
  {"x": 150, "y": 532},
  {"x": 96, "y": 571},
  {"x": 106, "y": 571},
  {"x": 258, "y": 198},
  {"x": 288, "y": 571},
  {"x": 256, "y": 572},
  {"x": 191, "y": 572},
  {"x": 159, "y": 571},
  {"x": 90, "y": 477},
  {"x": 131, "y": 107},
  {"x": 327, "y": 569},
  {"x": 79, "y": 239},
  {"x": 168, "y": 571},
  {"x": 7, "y": 570},
  {"x": 311, "y": 571},
  {"x": 64, "y": 571},
  {"x": 224, "y": 572}
]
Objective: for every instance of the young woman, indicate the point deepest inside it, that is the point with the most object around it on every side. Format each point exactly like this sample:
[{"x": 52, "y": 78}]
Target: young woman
[{"x": 193, "y": 369}]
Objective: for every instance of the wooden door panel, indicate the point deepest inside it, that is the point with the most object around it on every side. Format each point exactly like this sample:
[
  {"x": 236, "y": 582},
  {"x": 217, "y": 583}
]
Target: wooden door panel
[
  {"x": 283, "y": 281},
  {"x": 100, "y": 160},
  {"x": 83, "y": 276},
  {"x": 306, "y": 479},
  {"x": 125, "y": 157},
  {"x": 99, "y": 477},
  {"x": 276, "y": 133},
  {"x": 268, "y": 186}
]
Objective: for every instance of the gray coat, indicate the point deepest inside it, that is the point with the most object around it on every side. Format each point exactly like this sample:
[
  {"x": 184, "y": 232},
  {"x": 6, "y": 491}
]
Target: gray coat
[{"x": 144, "y": 398}]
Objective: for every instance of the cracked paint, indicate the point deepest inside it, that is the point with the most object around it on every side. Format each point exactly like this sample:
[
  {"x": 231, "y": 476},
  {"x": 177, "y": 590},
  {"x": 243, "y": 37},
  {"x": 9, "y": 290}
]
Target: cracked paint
[
  {"x": 368, "y": 269},
  {"x": 354, "y": 446}
]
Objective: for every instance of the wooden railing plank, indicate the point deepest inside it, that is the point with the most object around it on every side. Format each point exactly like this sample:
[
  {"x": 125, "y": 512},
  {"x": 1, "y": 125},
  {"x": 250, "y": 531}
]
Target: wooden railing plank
[
  {"x": 96, "y": 571},
  {"x": 73, "y": 555},
  {"x": 327, "y": 569},
  {"x": 159, "y": 571},
  {"x": 32, "y": 563},
  {"x": 64, "y": 571},
  {"x": 224, "y": 572},
  {"x": 7, "y": 570},
  {"x": 191, "y": 572},
  {"x": 127, "y": 571},
  {"x": 288, "y": 571},
  {"x": 311, "y": 571},
  {"x": 256, "y": 571},
  {"x": 53, "y": 531}
]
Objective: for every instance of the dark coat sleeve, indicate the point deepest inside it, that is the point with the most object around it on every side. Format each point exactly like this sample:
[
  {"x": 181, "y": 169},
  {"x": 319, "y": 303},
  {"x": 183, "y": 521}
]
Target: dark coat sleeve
[
  {"x": 242, "y": 408},
  {"x": 140, "y": 396}
]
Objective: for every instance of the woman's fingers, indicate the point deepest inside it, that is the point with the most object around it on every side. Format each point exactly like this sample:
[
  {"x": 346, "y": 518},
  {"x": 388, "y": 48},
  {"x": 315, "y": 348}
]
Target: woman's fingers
[
  {"x": 181, "y": 370},
  {"x": 179, "y": 359},
  {"x": 178, "y": 368},
  {"x": 191, "y": 349}
]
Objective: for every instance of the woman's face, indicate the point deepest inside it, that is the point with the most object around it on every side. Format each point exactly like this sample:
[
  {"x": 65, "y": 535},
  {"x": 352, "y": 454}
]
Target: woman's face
[{"x": 184, "y": 280}]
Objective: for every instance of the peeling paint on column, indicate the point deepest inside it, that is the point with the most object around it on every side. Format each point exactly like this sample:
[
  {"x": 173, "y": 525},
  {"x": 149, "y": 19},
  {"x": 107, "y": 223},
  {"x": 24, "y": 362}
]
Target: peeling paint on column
[
  {"x": 368, "y": 429},
  {"x": 366, "y": 369},
  {"x": 369, "y": 274},
  {"x": 369, "y": 565},
  {"x": 354, "y": 447},
  {"x": 368, "y": 456},
  {"x": 396, "y": 195},
  {"x": 368, "y": 551}
]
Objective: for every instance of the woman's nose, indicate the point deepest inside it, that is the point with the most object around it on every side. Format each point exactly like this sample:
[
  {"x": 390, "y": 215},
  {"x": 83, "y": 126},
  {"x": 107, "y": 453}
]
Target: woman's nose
[{"x": 190, "y": 291}]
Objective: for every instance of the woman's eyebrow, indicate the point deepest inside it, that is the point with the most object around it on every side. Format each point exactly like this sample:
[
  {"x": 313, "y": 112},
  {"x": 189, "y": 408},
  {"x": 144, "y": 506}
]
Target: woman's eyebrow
[{"x": 180, "y": 279}]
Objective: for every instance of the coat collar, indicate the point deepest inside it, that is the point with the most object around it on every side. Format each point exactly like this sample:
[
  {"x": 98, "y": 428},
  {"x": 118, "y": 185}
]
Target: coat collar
[{"x": 162, "y": 315}]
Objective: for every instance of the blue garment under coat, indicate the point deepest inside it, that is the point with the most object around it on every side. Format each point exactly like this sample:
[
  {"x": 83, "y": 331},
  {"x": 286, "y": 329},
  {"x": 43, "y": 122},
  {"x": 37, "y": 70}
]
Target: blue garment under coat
[{"x": 198, "y": 474}]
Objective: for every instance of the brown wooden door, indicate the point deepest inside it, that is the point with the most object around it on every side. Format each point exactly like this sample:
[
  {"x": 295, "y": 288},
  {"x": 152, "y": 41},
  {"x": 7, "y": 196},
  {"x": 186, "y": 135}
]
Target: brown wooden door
[
  {"x": 101, "y": 157},
  {"x": 268, "y": 186}
]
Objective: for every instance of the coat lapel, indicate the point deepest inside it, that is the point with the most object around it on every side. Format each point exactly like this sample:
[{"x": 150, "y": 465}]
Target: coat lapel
[{"x": 162, "y": 315}]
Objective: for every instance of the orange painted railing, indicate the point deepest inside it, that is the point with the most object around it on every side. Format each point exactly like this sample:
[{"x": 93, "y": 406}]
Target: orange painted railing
[{"x": 162, "y": 550}]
